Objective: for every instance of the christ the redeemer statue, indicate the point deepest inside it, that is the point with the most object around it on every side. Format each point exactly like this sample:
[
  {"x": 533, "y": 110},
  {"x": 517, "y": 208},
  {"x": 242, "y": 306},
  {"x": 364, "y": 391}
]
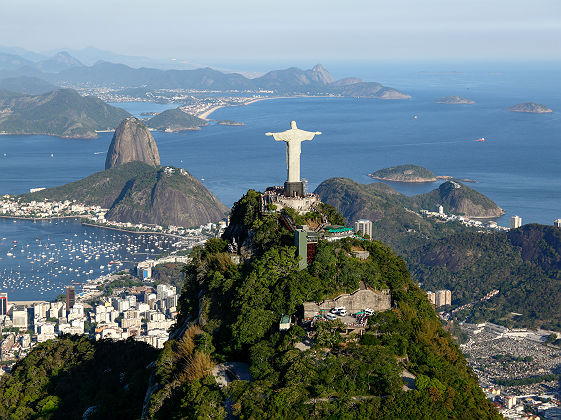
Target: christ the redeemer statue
[{"x": 293, "y": 138}]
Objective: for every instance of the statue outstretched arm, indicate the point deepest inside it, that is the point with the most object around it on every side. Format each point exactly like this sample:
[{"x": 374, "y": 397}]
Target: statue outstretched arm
[
  {"x": 278, "y": 136},
  {"x": 311, "y": 135}
]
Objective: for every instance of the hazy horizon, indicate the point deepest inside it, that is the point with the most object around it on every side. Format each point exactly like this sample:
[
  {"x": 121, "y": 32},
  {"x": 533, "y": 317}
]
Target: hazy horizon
[{"x": 311, "y": 32}]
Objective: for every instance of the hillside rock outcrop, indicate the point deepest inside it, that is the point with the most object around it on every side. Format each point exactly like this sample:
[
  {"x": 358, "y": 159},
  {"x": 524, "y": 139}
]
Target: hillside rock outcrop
[{"x": 132, "y": 141}]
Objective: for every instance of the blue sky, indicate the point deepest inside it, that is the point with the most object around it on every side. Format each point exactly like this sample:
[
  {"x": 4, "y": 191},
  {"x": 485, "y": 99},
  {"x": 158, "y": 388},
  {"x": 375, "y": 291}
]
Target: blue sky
[{"x": 311, "y": 29}]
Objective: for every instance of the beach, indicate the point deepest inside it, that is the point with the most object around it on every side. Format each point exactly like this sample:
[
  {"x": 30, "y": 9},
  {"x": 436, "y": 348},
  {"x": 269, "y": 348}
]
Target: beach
[{"x": 204, "y": 115}]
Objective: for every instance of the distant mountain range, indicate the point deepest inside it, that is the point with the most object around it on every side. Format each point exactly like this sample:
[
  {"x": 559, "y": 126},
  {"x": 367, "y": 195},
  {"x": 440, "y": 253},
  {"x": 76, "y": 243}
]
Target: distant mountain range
[
  {"x": 289, "y": 81},
  {"x": 62, "y": 112},
  {"x": 64, "y": 69}
]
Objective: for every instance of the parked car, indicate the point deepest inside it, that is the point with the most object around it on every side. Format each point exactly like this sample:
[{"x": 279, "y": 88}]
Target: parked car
[
  {"x": 369, "y": 311},
  {"x": 330, "y": 317}
]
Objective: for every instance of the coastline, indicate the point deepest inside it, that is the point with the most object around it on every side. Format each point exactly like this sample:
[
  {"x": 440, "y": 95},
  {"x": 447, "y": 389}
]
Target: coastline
[
  {"x": 204, "y": 115},
  {"x": 34, "y": 219},
  {"x": 133, "y": 231}
]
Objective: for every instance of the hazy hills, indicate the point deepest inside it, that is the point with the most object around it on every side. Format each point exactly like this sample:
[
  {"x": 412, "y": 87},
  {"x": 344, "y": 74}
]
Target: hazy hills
[
  {"x": 289, "y": 81},
  {"x": 62, "y": 112},
  {"x": 27, "y": 85},
  {"x": 58, "y": 62},
  {"x": 63, "y": 69}
]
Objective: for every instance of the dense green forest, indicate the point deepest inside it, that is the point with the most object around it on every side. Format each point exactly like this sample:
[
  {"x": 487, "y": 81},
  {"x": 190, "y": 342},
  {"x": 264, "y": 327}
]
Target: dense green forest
[
  {"x": 524, "y": 264},
  {"x": 62, "y": 379},
  {"x": 230, "y": 312}
]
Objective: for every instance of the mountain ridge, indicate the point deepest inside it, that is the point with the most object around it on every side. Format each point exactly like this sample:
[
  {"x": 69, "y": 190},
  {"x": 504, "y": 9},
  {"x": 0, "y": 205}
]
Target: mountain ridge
[
  {"x": 139, "y": 193},
  {"x": 62, "y": 112}
]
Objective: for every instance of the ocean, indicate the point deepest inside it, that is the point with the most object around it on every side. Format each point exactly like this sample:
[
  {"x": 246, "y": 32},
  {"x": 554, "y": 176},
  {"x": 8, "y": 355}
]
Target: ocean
[{"x": 517, "y": 166}]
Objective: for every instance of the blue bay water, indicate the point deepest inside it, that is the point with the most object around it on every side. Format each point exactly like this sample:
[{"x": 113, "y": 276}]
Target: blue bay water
[
  {"x": 38, "y": 259},
  {"x": 517, "y": 166}
]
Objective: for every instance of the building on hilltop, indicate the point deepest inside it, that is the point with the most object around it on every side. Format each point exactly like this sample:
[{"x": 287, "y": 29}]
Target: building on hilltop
[
  {"x": 334, "y": 233},
  {"x": 364, "y": 226},
  {"x": 557, "y": 223},
  {"x": 274, "y": 199},
  {"x": 357, "y": 301}
]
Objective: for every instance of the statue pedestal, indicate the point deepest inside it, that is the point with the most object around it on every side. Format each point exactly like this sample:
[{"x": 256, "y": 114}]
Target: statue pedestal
[{"x": 294, "y": 189}]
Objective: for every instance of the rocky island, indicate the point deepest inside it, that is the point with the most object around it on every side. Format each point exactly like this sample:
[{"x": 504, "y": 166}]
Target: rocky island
[
  {"x": 455, "y": 100},
  {"x": 231, "y": 123},
  {"x": 173, "y": 120},
  {"x": 404, "y": 173},
  {"x": 530, "y": 107}
]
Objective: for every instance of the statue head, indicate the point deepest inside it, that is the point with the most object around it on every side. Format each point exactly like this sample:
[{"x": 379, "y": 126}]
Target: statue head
[{"x": 293, "y": 124}]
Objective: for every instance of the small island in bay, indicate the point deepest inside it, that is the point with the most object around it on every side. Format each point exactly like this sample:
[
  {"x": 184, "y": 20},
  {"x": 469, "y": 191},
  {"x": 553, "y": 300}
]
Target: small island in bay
[
  {"x": 173, "y": 120},
  {"x": 404, "y": 173},
  {"x": 530, "y": 107},
  {"x": 454, "y": 100},
  {"x": 231, "y": 122}
]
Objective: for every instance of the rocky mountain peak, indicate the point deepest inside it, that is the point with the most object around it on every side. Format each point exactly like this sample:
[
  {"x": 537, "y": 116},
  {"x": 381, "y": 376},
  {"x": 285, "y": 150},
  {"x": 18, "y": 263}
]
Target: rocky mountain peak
[
  {"x": 132, "y": 141},
  {"x": 320, "y": 74}
]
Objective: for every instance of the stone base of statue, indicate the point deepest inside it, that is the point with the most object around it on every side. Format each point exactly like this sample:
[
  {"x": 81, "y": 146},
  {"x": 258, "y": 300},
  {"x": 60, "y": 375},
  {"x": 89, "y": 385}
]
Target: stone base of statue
[{"x": 294, "y": 189}]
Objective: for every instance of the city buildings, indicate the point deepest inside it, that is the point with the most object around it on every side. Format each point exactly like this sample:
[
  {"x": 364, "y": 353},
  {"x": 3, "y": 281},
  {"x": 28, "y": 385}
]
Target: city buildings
[
  {"x": 70, "y": 297},
  {"x": 440, "y": 297},
  {"x": 364, "y": 226},
  {"x": 3, "y": 304},
  {"x": 515, "y": 222},
  {"x": 19, "y": 317}
]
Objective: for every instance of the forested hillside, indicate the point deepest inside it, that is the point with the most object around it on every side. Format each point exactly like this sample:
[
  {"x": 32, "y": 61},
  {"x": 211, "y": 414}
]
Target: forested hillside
[
  {"x": 230, "y": 313},
  {"x": 523, "y": 264}
]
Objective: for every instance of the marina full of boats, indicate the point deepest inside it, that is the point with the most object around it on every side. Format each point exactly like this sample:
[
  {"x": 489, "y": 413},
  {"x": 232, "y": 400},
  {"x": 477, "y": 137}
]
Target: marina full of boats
[{"x": 38, "y": 259}]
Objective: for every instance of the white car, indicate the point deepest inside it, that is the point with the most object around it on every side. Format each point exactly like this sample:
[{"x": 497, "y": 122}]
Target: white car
[
  {"x": 369, "y": 311},
  {"x": 330, "y": 317},
  {"x": 342, "y": 312}
]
